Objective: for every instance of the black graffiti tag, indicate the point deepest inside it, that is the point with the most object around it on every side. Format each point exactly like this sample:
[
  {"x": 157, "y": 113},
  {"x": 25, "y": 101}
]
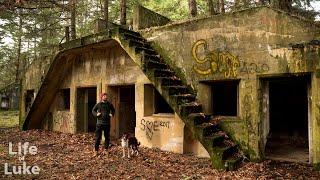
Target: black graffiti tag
[{"x": 151, "y": 126}]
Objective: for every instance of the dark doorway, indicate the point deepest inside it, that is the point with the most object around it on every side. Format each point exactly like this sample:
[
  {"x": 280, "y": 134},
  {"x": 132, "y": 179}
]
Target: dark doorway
[
  {"x": 29, "y": 97},
  {"x": 288, "y": 116},
  {"x": 127, "y": 113},
  {"x": 123, "y": 99},
  {"x": 86, "y": 99}
]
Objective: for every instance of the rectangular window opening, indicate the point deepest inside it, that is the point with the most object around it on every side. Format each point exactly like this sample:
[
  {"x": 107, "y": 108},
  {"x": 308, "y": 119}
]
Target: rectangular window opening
[
  {"x": 64, "y": 99},
  {"x": 154, "y": 103},
  {"x": 224, "y": 98}
]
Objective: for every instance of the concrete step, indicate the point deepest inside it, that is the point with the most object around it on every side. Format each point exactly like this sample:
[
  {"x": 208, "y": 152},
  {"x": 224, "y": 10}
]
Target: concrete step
[
  {"x": 182, "y": 98},
  {"x": 168, "y": 81},
  {"x": 148, "y": 51},
  {"x": 196, "y": 118},
  {"x": 188, "y": 108},
  {"x": 129, "y": 36},
  {"x": 122, "y": 31},
  {"x": 214, "y": 139},
  {"x": 136, "y": 43},
  {"x": 232, "y": 163},
  {"x": 171, "y": 90},
  {"x": 208, "y": 129},
  {"x": 163, "y": 73},
  {"x": 154, "y": 65},
  {"x": 153, "y": 57}
]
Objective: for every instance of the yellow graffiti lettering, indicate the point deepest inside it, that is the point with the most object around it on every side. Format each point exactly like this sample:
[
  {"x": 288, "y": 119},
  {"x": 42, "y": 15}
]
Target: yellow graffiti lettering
[
  {"x": 195, "y": 48},
  {"x": 202, "y": 72},
  {"x": 220, "y": 62}
]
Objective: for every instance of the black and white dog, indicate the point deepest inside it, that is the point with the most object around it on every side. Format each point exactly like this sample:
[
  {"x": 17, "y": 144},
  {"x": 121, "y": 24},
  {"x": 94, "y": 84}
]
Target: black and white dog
[{"x": 129, "y": 143}]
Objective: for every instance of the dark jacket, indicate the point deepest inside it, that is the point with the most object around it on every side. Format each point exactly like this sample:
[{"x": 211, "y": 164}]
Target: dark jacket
[{"x": 105, "y": 108}]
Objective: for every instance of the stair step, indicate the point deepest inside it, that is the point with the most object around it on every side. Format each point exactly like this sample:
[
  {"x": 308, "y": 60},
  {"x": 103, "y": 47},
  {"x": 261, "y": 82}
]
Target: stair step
[
  {"x": 167, "y": 81},
  {"x": 122, "y": 30},
  {"x": 149, "y": 64},
  {"x": 229, "y": 152},
  {"x": 196, "y": 118},
  {"x": 232, "y": 163},
  {"x": 137, "y": 43},
  {"x": 128, "y": 36},
  {"x": 188, "y": 108},
  {"x": 183, "y": 98},
  {"x": 153, "y": 57},
  {"x": 163, "y": 73},
  {"x": 208, "y": 129},
  {"x": 175, "y": 89},
  {"x": 213, "y": 139},
  {"x": 139, "y": 49}
]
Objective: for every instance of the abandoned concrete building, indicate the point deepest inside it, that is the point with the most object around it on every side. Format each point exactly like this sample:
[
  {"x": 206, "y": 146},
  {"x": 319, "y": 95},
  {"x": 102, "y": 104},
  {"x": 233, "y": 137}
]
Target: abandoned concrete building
[
  {"x": 239, "y": 84},
  {"x": 9, "y": 97}
]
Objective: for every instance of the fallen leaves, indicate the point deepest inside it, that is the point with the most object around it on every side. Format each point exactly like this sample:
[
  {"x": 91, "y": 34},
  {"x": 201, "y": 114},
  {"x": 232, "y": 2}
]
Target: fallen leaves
[{"x": 70, "y": 156}]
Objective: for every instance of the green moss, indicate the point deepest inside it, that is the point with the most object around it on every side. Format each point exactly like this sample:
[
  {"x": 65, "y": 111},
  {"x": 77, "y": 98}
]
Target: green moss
[{"x": 316, "y": 166}]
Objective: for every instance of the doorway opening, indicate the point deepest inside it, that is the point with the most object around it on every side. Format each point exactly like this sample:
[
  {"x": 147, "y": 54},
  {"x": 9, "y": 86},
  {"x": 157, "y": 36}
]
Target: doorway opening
[
  {"x": 86, "y": 99},
  {"x": 288, "y": 135},
  {"x": 123, "y": 99}
]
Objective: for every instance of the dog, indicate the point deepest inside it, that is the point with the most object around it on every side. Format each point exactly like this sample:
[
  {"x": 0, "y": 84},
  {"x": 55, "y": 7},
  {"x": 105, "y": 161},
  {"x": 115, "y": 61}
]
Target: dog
[{"x": 129, "y": 143}]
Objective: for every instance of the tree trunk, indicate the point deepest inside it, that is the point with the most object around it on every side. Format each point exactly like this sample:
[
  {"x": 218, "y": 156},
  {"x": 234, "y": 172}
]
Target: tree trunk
[
  {"x": 123, "y": 12},
  {"x": 193, "y": 8},
  {"x": 221, "y": 6},
  {"x": 210, "y": 7},
  {"x": 17, "y": 78},
  {"x": 105, "y": 11},
  {"x": 73, "y": 19},
  {"x": 262, "y": 2},
  {"x": 285, "y": 5}
]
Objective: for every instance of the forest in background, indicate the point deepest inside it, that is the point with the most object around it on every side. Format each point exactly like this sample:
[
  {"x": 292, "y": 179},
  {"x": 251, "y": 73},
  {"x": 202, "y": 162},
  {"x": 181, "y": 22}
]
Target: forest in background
[{"x": 32, "y": 29}]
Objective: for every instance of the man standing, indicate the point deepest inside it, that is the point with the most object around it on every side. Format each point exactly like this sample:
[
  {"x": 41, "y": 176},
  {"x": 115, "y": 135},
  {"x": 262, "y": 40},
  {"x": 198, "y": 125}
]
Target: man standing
[{"x": 103, "y": 110}]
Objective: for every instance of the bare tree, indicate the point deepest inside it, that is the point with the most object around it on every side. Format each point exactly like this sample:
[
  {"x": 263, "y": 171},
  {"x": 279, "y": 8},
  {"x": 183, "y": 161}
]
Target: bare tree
[
  {"x": 18, "y": 61},
  {"x": 211, "y": 10},
  {"x": 282, "y": 4},
  {"x": 73, "y": 18},
  {"x": 105, "y": 11},
  {"x": 221, "y": 6},
  {"x": 123, "y": 12},
  {"x": 193, "y": 8}
]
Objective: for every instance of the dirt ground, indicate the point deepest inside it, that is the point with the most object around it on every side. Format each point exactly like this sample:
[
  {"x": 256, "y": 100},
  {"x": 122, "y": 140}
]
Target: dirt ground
[{"x": 70, "y": 156}]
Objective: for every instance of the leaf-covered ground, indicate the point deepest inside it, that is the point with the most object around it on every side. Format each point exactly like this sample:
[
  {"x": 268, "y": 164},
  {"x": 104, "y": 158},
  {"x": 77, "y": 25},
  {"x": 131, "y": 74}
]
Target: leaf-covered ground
[{"x": 70, "y": 156}]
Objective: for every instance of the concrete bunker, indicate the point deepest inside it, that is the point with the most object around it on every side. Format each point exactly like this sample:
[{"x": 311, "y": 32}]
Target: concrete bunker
[{"x": 287, "y": 118}]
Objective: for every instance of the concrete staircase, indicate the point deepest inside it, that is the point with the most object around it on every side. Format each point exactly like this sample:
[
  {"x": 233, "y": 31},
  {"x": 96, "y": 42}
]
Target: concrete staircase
[{"x": 224, "y": 152}]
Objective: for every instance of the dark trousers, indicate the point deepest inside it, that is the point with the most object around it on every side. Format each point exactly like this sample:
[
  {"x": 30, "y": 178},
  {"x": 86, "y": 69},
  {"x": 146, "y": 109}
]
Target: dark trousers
[{"x": 106, "y": 130}]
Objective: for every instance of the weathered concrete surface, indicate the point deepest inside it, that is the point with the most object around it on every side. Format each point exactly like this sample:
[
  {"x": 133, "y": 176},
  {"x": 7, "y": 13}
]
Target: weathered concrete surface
[
  {"x": 246, "y": 46},
  {"x": 145, "y": 18}
]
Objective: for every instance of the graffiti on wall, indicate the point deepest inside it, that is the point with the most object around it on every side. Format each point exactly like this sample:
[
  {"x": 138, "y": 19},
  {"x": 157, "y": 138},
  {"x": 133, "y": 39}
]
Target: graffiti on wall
[
  {"x": 152, "y": 126},
  {"x": 215, "y": 62},
  {"x": 220, "y": 62}
]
